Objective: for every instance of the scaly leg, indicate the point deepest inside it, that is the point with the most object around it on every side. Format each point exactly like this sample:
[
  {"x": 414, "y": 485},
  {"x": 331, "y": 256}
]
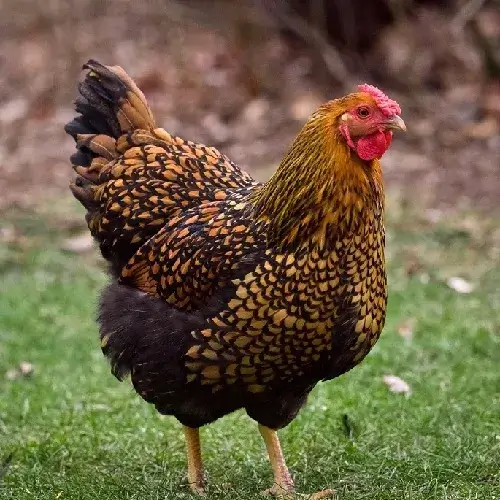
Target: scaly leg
[
  {"x": 283, "y": 482},
  {"x": 283, "y": 487},
  {"x": 194, "y": 463}
]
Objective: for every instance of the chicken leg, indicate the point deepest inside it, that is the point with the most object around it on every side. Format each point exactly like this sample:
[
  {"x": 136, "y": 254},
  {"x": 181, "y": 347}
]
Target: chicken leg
[
  {"x": 283, "y": 482},
  {"x": 194, "y": 462},
  {"x": 283, "y": 487}
]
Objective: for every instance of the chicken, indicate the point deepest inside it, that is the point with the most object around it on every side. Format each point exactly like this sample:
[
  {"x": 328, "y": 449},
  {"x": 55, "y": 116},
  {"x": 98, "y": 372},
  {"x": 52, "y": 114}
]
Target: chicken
[{"x": 226, "y": 293}]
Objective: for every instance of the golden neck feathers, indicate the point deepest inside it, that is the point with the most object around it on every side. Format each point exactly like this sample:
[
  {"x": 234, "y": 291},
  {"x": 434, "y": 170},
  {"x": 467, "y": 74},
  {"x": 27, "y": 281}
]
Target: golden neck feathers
[{"x": 321, "y": 191}]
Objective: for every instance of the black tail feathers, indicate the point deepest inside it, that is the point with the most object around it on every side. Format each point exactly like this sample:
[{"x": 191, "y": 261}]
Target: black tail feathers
[{"x": 110, "y": 104}]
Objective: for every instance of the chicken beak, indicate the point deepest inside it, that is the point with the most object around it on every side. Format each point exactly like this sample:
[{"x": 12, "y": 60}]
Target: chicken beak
[{"x": 395, "y": 122}]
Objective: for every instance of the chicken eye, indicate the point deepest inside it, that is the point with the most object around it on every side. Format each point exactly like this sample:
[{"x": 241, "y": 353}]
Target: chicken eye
[{"x": 363, "y": 112}]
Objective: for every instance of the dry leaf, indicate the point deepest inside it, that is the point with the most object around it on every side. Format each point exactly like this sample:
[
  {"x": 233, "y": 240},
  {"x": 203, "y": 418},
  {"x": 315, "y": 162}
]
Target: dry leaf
[
  {"x": 460, "y": 285},
  {"x": 7, "y": 234},
  {"x": 78, "y": 244},
  {"x": 405, "y": 328},
  {"x": 12, "y": 375},
  {"x": 424, "y": 279},
  {"x": 485, "y": 129},
  {"x": 26, "y": 368},
  {"x": 396, "y": 384},
  {"x": 13, "y": 110}
]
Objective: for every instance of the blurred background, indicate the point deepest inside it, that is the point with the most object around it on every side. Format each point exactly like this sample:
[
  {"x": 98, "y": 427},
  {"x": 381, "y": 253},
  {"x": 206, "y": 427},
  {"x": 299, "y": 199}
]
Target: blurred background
[{"x": 244, "y": 76}]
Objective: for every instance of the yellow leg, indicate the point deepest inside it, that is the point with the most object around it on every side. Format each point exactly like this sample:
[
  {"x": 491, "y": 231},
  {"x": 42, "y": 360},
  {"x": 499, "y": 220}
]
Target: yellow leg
[
  {"x": 283, "y": 482},
  {"x": 283, "y": 487},
  {"x": 194, "y": 463}
]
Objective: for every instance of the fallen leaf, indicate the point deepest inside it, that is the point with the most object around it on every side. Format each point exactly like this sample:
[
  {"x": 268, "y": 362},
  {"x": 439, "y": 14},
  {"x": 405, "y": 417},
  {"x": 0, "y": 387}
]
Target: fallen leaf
[
  {"x": 12, "y": 375},
  {"x": 13, "y": 110},
  {"x": 460, "y": 285},
  {"x": 78, "y": 244},
  {"x": 484, "y": 129},
  {"x": 396, "y": 384},
  {"x": 7, "y": 234},
  {"x": 424, "y": 279},
  {"x": 25, "y": 368},
  {"x": 405, "y": 328}
]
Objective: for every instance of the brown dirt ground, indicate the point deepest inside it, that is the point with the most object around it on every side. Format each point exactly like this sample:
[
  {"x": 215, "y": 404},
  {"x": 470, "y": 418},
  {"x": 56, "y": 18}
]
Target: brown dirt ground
[{"x": 248, "y": 99}]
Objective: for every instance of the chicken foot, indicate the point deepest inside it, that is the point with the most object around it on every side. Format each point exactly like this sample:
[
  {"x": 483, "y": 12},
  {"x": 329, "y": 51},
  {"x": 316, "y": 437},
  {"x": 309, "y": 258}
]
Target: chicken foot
[{"x": 283, "y": 487}]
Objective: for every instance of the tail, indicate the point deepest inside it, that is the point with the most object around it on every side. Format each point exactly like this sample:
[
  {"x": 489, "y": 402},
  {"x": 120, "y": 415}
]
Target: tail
[
  {"x": 132, "y": 177},
  {"x": 111, "y": 107}
]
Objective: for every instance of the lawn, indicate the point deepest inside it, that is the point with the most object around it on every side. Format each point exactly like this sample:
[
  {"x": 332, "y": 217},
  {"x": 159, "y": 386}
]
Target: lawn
[{"x": 69, "y": 430}]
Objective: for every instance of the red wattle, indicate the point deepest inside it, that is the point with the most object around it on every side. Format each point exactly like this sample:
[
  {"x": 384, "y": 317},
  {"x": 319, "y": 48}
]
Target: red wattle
[{"x": 374, "y": 145}]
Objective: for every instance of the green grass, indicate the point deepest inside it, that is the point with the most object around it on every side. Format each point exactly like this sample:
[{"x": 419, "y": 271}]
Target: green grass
[{"x": 71, "y": 431}]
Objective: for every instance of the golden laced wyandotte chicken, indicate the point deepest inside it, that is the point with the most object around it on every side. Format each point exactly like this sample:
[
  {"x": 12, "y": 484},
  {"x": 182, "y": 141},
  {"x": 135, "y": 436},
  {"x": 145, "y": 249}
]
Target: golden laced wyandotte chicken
[{"x": 226, "y": 293}]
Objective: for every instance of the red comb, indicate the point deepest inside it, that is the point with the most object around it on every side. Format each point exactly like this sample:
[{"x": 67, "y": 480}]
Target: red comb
[{"x": 386, "y": 105}]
